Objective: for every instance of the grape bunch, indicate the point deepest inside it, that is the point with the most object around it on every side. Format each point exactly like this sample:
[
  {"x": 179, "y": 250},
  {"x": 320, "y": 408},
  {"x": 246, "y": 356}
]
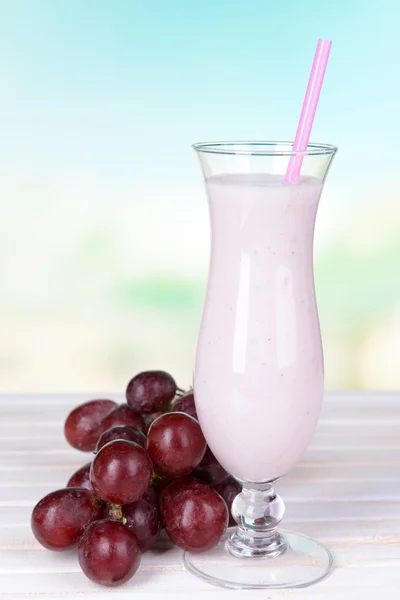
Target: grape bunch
[{"x": 152, "y": 470}]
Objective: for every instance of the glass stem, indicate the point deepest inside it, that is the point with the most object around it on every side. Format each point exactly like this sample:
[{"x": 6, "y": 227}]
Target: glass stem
[{"x": 258, "y": 510}]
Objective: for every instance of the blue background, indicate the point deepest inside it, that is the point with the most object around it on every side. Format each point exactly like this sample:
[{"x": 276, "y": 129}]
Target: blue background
[{"x": 104, "y": 233}]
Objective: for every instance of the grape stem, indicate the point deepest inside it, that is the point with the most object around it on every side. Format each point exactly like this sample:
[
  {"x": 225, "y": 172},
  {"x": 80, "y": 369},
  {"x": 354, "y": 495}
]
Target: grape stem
[
  {"x": 116, "y": 514},
  {"x": 180, "y": 392}
]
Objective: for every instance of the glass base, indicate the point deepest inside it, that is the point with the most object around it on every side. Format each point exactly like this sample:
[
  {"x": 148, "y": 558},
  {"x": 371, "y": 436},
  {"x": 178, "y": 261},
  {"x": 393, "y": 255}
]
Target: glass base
[{"x": 299, "y": 562}]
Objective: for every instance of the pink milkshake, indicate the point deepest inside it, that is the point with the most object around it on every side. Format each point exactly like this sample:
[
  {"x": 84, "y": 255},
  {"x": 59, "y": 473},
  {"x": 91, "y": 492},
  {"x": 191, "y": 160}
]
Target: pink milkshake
[{"x": 259, "y": 367}]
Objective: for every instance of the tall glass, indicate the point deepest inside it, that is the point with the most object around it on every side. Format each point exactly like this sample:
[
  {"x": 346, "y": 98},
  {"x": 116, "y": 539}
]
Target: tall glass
[{"x": 259, "y": 374}]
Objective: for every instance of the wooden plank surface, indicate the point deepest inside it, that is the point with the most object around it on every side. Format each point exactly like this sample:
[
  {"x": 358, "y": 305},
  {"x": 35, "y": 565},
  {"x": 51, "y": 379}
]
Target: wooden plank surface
[{"x": 345, "y": 492}]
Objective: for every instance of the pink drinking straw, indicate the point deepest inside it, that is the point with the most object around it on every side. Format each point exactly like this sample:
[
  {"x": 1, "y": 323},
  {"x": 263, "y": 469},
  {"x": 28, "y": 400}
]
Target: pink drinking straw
[{"x": 308, "y": 111}]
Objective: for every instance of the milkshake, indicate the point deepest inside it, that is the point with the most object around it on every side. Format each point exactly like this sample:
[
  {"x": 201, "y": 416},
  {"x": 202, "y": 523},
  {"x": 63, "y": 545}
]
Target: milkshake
[
  {"x": 259, "y": 371},
  {"x": 259, "y": 365}
]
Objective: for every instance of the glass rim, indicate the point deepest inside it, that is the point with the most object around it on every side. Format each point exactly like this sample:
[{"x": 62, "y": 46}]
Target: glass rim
[{"x": 262, "y": 148}]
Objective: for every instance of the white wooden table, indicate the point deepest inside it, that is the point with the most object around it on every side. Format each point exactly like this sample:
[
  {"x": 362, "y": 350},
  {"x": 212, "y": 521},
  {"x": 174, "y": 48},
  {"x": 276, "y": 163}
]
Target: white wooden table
[{"x": 345, "y": 492}]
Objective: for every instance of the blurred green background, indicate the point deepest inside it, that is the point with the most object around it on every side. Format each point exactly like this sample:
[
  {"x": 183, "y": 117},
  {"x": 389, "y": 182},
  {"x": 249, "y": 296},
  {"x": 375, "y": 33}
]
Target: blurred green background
[{"x": 104, "y": 229}]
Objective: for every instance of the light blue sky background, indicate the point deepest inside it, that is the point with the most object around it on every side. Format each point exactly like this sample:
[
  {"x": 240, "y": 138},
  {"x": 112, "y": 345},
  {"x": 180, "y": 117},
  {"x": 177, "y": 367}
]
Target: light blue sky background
[
  {"x": 100, "y": 102},
  {"x": 111, "y": 94},
  {"x": 119, "y": 88}
]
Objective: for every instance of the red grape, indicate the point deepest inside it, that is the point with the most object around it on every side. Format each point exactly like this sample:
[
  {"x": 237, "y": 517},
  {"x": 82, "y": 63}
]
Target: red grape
[
  {"x": 121, "y": 432},
  {"x": 209, "y": 470},
  {"x": 109, "y": 553},
  {"x": 229, "y": 489},
  {"x": 60, "y": 518},
  {"x": 81, "y": 478},
  {"x": 176, "y": 444},
  {"x": 186, "y": 404},
  {"x": 121, "y": 472},
  {"x": 195, "y": 517},
  {"x": 150, "y": 391},
  {"x": 122, "y": 415},
  {"x": 143, "y": 518},
  {"x": 84, "y": 424}
]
